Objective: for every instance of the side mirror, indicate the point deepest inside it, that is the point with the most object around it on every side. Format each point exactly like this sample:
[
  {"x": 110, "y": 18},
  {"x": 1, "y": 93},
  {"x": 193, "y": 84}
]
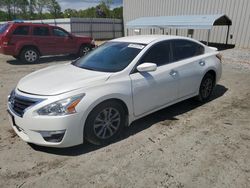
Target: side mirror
[{"x": 146, "y": 67}]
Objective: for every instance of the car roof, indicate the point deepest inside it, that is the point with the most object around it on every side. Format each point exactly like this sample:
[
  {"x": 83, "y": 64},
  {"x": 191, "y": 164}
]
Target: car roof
[
  {"x": 28, "y": 23},
  {"x": 146, "y": 39}
]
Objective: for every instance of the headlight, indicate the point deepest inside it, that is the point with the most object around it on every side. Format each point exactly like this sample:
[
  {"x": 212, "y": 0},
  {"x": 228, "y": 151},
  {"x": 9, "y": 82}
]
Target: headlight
[
  {"x": 11, "y": 96},
  {"x": 62, "y": 107}
]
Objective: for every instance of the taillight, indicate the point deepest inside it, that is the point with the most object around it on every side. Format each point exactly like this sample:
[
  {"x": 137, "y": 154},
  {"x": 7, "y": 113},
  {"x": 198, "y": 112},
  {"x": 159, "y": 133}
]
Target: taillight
[
  {"x": 5, "y": 41},
  {"x": 219, "y": 56}
]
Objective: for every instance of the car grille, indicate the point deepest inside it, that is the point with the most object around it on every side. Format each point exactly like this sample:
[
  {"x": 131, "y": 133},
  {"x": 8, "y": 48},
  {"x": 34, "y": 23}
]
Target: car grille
[{"x": 19, "y": 104}]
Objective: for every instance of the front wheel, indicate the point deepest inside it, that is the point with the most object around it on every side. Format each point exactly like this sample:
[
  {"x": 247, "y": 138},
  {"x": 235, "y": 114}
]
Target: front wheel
[
  {"x": 84, "y": 50},
  {"x": 206, "y": 87},
  {"x": 29, "y": 55},
  {"x": 105, "y": 123}
]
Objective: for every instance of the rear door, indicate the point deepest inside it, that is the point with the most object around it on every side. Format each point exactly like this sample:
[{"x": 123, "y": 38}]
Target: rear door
[
  {"x": 20, "y": 35},
  {"x": 187, "y": 55},
  {"x": 44, "y": 40}
]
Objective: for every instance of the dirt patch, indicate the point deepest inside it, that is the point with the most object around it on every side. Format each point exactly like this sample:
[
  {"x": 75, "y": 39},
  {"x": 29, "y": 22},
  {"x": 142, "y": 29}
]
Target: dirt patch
[{"x": 12, "y": 133}]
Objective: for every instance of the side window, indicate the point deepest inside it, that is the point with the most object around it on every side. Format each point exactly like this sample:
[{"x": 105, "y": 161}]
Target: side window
[
  {"x": 21, "y": 30},
  {"x": 160, "y": 54},
  {"x": 183, "y": 49},
  {"x": 41, "y": 31},
  {"x": 59, "y": 33}
]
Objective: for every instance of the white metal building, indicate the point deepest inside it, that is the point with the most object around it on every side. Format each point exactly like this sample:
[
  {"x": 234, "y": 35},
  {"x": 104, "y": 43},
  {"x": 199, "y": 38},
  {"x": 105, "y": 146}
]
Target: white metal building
[{"x": 237, "y": 10}]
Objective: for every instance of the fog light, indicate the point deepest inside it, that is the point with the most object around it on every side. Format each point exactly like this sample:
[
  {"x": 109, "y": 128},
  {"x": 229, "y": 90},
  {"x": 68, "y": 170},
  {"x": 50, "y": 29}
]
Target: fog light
[{"x": 53, "y": 136}]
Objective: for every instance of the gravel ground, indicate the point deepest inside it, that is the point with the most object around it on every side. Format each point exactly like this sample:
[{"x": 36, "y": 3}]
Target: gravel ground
[{"x": 185, "y": 145}]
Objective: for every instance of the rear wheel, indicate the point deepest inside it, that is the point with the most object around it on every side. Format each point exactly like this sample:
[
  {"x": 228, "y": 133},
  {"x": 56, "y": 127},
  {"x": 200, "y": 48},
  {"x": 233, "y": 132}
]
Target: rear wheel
[
  {"x": 29, "y": 55},
  {"x": 206, "y": 87},
  {"x": 84, "y": 50},
  {"x": 105, "y": 123}
]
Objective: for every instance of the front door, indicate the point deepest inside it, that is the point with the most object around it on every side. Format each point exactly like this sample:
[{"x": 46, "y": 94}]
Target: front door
[
  {"x": 63, "y": 42},
  {"x": 152, "y": 90}
]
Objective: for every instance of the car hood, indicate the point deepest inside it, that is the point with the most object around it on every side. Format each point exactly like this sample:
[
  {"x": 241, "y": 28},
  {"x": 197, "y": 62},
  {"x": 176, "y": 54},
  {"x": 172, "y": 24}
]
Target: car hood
[
  {"x": 82, "y": 36},
  {"x": 60, "y": 79}
]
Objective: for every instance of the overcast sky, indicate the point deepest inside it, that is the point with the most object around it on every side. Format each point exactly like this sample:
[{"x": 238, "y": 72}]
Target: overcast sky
[{"x": 83, "y": 4}]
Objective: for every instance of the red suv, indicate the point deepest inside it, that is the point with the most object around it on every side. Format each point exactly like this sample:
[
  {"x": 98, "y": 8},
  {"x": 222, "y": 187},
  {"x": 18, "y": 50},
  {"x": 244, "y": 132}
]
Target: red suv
[{"x": 28, "y": 41}]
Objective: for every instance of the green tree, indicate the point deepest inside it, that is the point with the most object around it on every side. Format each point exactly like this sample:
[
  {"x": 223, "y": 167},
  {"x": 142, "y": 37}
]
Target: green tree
[
  {"x": 48, "y": 9},
  {"x": 7, "y": 5},
  {"x": 107, "y": 3},
  {"x": 117, "y": 13},
  {"x": 3, "y": 16},
  {"x": 103, "y": 11},
  {"x": 23, "y": 7},
  {"x": 87, "y": 13},
  {"x": 32, "y": 8},
  {"x": 54, "y": 8},
  {"x": 40, "y": 6},
  {"x": 70, "y": 13}
]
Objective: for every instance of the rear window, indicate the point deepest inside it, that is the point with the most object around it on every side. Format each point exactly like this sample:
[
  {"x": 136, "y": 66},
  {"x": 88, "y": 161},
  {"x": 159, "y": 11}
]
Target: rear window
[
  {"x": 183, "y": 49},
  {"x": 21, "y": 30},
  {"x": 4, "y": 27},
  {"x": 41, "y": 31}
]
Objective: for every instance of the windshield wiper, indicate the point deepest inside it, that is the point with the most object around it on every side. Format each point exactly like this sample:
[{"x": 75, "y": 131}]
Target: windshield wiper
[
  {"x": 75, "y": 60},
  {"x": 88, "y": 68}
]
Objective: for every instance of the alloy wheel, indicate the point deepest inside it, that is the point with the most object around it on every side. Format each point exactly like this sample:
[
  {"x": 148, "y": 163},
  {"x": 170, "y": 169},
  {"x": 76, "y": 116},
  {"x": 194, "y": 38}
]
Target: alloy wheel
[
  {"x": 30, "y": 56},
  {"x": 206, "y": 87},
  {"x": 85, "y": 50},
  {"x": 107, "y": 123}
]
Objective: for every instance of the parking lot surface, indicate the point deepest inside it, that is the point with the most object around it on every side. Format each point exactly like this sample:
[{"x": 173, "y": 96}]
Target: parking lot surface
[{"x": 185, "y": 145}]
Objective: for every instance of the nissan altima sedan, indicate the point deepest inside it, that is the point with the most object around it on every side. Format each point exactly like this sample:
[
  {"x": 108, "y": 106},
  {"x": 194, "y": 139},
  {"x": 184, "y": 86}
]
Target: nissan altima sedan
[{"x": 95, "y": 97}]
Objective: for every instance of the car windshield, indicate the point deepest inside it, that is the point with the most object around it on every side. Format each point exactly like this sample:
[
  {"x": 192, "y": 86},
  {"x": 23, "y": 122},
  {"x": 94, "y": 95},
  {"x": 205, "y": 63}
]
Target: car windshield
[
  {"x": 3, "y": 28},
  {"x": 110, "y": 57}
]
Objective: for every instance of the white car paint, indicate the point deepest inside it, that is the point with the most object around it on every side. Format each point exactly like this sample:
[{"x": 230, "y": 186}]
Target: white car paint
[
  {"x": 142, "y": 92},
  {"x": 59, "y": 79}
]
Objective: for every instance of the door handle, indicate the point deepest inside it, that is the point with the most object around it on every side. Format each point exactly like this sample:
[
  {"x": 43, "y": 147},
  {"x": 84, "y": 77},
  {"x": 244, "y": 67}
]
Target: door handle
[
  {"x": 202, "y": 63},
  {"x": 173, "y": 73}
]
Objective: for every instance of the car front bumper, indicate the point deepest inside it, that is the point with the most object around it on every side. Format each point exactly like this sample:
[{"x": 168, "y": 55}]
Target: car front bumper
[{"x": 31, "y": 128}]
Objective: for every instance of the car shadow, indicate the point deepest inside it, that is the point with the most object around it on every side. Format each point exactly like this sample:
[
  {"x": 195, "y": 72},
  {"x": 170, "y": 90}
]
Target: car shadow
[
  {"x": 44, "y": 60},
  {"x": 170, "y": 113}
]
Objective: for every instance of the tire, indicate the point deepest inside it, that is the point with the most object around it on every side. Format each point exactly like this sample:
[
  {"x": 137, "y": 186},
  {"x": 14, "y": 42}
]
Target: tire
[
  {"x": 84, "y": 50},
  {"x": 105, "y": 123},
  {"x": 206, "y": 87},
  {"x": 29, "y": 55},
  {"x": 16, "y": 57}
]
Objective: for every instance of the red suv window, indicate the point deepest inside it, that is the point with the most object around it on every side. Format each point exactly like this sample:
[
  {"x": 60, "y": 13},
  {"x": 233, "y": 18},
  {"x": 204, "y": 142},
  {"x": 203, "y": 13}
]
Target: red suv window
[
  {"x": 59, "y": 32},
  {"x": 21, "y": 30},
  {"x": 3, "y": 28},
  {"x": 41, "y": 31}
]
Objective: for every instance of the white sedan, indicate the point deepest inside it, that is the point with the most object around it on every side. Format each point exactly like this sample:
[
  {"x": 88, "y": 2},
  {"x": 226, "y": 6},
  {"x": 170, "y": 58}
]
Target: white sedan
[{"x": 94, "y": 97}]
